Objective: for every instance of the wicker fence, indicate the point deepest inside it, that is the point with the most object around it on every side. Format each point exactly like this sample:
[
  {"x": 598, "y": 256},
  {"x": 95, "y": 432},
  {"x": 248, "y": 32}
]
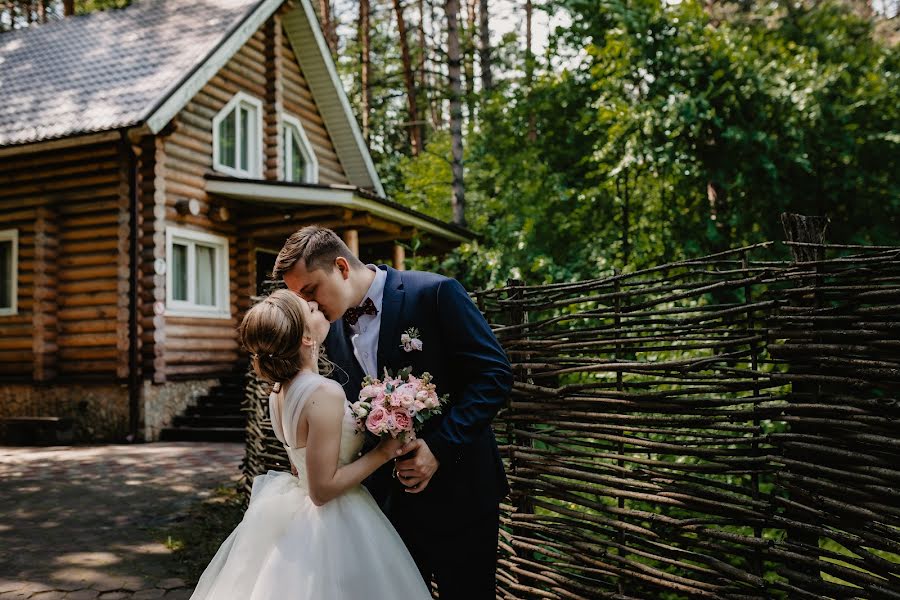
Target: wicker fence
[{"x": 725, "y": 427}]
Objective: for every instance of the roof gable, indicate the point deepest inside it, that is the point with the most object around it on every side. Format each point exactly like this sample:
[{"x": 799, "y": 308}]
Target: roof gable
[
  {"x": 315, "y": 60},
  {"x": 106, "y": 70}
]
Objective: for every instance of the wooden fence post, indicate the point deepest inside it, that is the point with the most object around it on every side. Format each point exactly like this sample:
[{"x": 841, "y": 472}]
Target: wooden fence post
[
  {"x": 757, "y": 563},
  {"x": 804, "y": 230},
  {"x": 518, "y": 316}
]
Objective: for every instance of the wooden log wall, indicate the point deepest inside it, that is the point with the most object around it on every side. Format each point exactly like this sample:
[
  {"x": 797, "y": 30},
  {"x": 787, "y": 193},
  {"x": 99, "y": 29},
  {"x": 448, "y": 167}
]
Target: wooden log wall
[
  {"x": 16, "y": 345},
  {"x": 266, "y": 69},
  {"x": 299, "y": 102},
  {"x": 46, "y": 273},
  {"x": 65, "y": 201},
  {"x": 153, "y": 256}
]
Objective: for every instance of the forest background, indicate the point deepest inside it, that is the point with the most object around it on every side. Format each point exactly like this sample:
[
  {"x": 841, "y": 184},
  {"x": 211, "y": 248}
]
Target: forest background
[{"x": 580, "y": 136}]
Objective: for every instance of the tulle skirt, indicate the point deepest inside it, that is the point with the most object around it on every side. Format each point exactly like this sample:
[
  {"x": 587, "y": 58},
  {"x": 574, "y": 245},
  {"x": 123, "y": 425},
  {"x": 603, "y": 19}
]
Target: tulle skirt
[{"x": 287, "y": 548}]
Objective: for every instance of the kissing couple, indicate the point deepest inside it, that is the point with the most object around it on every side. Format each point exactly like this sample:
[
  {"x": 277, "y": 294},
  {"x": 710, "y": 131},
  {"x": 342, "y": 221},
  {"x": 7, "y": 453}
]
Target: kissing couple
[{"x": 364, "y": 518}]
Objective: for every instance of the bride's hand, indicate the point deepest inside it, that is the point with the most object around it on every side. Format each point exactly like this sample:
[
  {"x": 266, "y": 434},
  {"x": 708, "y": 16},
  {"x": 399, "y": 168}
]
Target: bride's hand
[{"x": 389, "y": 447}]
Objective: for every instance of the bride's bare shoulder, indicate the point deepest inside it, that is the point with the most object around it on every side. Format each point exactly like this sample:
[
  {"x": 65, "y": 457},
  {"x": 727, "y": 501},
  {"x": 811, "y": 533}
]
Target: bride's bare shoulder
[{"x": 328, "y": 397}]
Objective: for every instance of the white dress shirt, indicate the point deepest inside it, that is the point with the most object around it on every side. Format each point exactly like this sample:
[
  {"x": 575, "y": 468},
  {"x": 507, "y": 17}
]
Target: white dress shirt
[{"x": 364, "y": 337}]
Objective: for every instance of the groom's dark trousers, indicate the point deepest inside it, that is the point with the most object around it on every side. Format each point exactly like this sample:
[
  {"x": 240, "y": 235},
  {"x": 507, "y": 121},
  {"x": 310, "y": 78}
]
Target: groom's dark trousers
[{"x": 451, "y": 527}]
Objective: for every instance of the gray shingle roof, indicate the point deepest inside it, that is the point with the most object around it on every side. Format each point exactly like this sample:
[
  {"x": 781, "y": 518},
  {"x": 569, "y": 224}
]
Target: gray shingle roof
[{"x": 105, "y": 70}]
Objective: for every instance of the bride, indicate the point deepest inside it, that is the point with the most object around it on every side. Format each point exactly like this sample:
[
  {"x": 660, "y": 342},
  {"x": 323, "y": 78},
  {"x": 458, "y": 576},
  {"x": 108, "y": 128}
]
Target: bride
[{"x": 319, "y": 535}]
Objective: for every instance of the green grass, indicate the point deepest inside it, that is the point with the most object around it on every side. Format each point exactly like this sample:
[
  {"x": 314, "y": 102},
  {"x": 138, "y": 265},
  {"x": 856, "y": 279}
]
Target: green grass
[{"x": 195, "y": 538}]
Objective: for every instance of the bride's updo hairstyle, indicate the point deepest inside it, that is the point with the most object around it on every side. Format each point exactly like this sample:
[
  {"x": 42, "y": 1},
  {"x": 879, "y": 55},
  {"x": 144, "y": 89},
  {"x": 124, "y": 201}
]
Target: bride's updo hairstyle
[{"x": 272, "y": 331}]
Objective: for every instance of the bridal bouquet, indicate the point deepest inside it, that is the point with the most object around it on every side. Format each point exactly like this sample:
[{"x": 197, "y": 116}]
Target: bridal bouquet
[{"x": 396, "y": 406}]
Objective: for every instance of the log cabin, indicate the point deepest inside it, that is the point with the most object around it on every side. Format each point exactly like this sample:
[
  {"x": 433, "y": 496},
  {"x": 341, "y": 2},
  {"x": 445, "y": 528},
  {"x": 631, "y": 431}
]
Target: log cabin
[{"x": 153, "y": 160}]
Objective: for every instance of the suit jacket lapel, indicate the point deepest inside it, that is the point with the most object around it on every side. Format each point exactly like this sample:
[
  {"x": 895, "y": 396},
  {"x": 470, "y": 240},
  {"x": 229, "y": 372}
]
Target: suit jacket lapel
[{"x": 391, "y": 307}]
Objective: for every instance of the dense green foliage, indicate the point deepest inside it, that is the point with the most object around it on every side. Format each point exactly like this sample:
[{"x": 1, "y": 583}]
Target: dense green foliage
[{"x": 638, "y": 109}]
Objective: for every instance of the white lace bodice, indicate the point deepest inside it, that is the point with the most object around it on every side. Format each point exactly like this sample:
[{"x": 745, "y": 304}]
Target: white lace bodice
[{"x": 284, "y": 412}]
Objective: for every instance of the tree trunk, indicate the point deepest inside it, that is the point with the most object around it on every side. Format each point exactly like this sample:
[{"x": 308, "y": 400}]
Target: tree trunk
[
  {"x": 437, "y": 108},
  {"x": 423, "y": 53},
  {"x": 328, "y": 28},
  {"x": 68, "y": 8},
  {"x": 484, "y": 49},
  {"x": 622, "y": 194},
  {"x": 415, "y": 139},
  {"x": 470, "y": 59},
  {"x": 365, "y": 44},
  {"x": 529, "y": 67},
  {"x": 715, "y": 193},
  {"x": 451, "y": 9}
]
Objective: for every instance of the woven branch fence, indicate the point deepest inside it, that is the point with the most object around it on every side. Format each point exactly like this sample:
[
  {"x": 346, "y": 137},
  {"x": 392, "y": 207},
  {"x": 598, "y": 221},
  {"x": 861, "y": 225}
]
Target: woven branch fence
[{"x": 724, "y": 428}]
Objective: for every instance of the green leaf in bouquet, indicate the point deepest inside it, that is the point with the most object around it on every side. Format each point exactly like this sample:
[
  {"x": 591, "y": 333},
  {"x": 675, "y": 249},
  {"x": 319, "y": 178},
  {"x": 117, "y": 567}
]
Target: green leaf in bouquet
[{"x": 404, "y": 373}]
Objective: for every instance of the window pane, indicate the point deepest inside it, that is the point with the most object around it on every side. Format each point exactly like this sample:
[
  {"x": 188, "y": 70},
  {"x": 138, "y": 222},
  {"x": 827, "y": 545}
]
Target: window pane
[
  {"x": 6, "y": 269},
  {"x": 245, "y": 138},
  {"x": 206, "y": 275},
  {"x": 298, "y": 165},
  {"x": 287, "y": 154},
  {"x": 179, "y": 272},
  {"x": 227, "y": 140}
]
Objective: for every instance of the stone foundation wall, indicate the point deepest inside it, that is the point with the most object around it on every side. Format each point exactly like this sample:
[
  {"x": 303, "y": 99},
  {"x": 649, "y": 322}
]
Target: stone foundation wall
[
  {"x": 100, "y": 411},
  {"x": 162, "y": 403}
]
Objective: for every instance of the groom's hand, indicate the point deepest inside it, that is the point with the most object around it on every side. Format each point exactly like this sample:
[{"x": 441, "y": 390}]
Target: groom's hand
[{"x": 416, "y": 471}]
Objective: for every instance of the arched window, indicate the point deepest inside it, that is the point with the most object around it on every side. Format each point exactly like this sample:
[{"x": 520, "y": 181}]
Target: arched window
[
  {"x": 237, "y": 137},
  {"x": 300, "y": 164}
]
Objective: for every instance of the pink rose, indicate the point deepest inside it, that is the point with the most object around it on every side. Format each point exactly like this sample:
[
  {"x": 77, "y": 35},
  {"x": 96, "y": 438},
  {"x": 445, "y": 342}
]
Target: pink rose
[
  {"x": 376, "y": 422},
  {"x": 370, "y": 391},
  {"x": 403, "y": 421},
  {"x": 395, "y": 400},
  {"x": 378, "y": 400},
  {"x": 406, "y": 394},
  {"x": 432, "y": 401}
]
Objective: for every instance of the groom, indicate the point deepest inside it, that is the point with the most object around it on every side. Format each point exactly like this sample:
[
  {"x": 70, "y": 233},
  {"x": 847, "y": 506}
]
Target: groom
[{"x": 444, "y": 498}]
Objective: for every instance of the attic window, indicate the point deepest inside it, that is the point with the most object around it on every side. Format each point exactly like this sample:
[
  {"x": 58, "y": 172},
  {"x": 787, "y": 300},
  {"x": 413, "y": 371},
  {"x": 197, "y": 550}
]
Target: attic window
[
  {"x": 9, "y": 266},
  {"x": 237, "y": 137},
  {"x": 300, "y": 164}
]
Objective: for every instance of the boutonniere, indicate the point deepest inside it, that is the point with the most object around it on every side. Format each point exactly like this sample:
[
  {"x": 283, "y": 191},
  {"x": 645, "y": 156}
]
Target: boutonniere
[{"x": 410, "y": 341}]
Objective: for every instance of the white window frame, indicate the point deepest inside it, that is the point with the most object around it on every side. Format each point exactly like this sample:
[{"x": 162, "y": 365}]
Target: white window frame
[
  {"x": 309, "y": 155},
  {"x": 254, "y": 152},
  {"x": 12, "y": 235},
  {"x": 189, "y": 308}
]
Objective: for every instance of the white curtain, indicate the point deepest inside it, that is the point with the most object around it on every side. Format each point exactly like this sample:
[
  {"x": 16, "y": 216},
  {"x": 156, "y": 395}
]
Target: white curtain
[{"x": 206, "y": 275}]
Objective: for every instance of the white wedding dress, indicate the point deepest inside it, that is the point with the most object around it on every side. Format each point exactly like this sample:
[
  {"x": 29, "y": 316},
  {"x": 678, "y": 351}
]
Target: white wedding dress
[{"x": 287, "y": 548}]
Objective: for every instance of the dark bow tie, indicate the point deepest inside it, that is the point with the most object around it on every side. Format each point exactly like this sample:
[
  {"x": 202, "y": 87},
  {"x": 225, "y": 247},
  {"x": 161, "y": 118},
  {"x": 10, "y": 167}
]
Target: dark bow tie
[{"x": 355, "y": 312}]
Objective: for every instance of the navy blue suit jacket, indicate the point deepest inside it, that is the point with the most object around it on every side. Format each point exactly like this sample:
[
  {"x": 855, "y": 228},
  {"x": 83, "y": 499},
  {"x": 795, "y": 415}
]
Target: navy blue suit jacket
[{"x": 466, "y": 361}]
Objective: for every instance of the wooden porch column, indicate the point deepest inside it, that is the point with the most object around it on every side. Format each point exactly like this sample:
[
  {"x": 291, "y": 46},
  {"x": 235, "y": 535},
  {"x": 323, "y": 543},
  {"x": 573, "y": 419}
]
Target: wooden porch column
[
  {"x": 351, "y": 238},
  {"x": 399, "y": 257}
]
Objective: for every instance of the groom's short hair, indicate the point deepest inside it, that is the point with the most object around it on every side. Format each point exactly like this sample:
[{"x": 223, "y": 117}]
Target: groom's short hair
[{"x": 317, "y": 247}]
